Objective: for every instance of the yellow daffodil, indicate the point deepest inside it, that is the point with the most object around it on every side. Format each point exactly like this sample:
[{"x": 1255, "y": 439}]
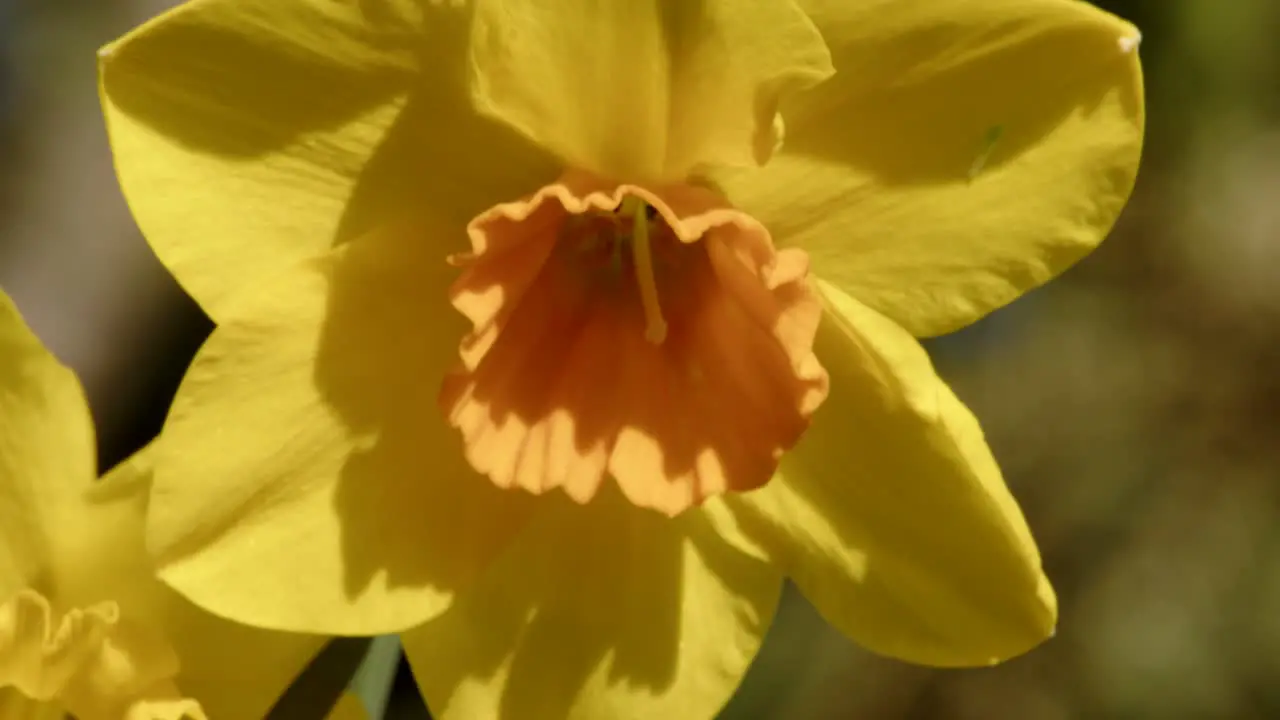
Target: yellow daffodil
[
  {"x": 85, "y": 626},
  {"x": 542, "y": 331}
]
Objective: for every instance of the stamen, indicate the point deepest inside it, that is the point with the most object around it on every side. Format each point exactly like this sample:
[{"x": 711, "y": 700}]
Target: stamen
[{"x": 655, "y": 326}]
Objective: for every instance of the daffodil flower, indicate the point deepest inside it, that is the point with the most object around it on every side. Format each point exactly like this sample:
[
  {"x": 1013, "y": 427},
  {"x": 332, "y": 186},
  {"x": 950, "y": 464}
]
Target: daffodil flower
[
  {"x": 562, "y": 332},
  {"x": 85, "y": 626}
]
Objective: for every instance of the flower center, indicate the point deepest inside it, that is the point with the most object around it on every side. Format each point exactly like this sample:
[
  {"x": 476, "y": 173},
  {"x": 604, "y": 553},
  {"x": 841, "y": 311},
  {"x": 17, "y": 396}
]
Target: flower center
[
  {"x": 655, "y": 327},
  {"x": 623, "y": 239},
  {"x": 654, "y": 336}
]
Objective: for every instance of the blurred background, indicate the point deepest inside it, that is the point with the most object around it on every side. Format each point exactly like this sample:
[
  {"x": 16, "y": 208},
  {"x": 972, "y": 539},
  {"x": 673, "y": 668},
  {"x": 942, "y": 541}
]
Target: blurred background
[{"x": 1134, "y": 404}]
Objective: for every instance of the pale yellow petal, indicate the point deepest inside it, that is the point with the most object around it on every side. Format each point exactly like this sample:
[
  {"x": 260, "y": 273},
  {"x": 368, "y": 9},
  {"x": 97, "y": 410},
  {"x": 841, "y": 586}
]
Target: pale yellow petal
[
  {"x": 648, "y": 89},
  {"x": 250, "y": 136},
  {"x": 599, "y": 611},
  {"x": 232, "y": 670},
  {"x": 306, "y": 479},
  {"x": 891, "y": 514},
  {"x": 966, "y": 151},
  {"x": 97, "y": 551},
  {"x": 85, "y": 635},
  {"x": 130, "y": 674},
  {"x": 91, "y": 661},
  {"x": 98, "y": 557},
  {"x": 47, "y": 450},
  {"x": 41, "y": 648},
  {"x": 95, "y": 642}
]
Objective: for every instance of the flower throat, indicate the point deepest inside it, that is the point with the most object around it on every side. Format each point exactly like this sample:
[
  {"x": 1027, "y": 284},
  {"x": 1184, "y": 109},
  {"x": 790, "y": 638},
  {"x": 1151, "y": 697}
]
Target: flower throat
[{"x": 625, "y": 239}]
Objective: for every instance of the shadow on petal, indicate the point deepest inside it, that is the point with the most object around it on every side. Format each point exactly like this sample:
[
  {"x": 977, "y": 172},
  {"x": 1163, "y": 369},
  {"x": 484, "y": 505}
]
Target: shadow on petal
[
  {"x": 440, "y": 154},
  {"x": 388, "y": 337},
  {"x": 242, "y": 84},
  {"x": 390, "y": 334},
  {"x": 596, "y": 609}
]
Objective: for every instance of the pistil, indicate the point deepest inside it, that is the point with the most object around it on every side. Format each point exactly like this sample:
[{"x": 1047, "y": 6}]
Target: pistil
[{"x": 642, "y": 256}]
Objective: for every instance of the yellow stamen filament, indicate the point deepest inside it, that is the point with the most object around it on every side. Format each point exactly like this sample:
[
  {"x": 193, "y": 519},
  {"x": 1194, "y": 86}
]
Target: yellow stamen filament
[{"x": 642, "y": 253}]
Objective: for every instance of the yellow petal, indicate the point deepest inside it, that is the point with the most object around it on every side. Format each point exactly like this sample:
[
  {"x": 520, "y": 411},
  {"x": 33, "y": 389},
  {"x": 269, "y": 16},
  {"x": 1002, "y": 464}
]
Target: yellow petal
[
  {"x": 250, "y": 136},
  {"x": 130, "y": 674},
  {"x": 234, "y": 671},
  {"x": 601, "y": 610},
  {"x": 891, "y": 514},
  {"x": 644, "y": 90},
  {"x": 96, "y": 547},
  {"x": 85, "y": 634},
  {"x": 47, "y": 451},
  {"x": 306, "y": 479},
  {"x": 348, "y": 707},
  {"x": 966, "y": 151}
]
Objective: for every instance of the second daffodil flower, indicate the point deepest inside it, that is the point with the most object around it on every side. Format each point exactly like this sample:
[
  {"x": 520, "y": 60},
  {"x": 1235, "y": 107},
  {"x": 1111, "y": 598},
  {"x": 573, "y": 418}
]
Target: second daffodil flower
[
  {"x": 563, "y": 332},
  {"x": 85, "y": 626}
]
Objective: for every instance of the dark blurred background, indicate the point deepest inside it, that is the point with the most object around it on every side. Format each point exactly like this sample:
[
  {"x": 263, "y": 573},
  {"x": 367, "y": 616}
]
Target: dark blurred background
[{"x": 1134, "y": 404}]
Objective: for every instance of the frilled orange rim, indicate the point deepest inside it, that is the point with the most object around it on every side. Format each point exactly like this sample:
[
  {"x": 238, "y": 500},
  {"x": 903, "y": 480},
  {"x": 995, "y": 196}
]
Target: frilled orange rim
[{"x": 654, "y": 335}]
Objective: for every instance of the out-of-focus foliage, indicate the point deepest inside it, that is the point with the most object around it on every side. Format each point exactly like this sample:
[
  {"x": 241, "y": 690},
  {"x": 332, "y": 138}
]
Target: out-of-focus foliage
[{"x": 1134, "y": 404}]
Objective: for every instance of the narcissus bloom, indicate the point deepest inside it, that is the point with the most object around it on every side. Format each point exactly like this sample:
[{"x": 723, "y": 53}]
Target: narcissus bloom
[
  {"x": 563, "y": 332},
  {"x": 85, "y": 626}
]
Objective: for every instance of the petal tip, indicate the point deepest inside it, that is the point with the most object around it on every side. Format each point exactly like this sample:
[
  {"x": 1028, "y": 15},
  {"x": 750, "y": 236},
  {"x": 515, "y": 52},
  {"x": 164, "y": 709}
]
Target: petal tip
[{"x": 1129, "y": 43}]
